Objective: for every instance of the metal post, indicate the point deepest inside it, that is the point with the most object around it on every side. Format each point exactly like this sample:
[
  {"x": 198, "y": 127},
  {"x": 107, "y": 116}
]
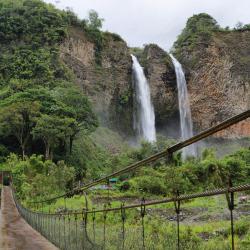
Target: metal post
[
  {"x": 143, "y": 212},
  {"x": 104, "y": 227},
  {"x": 177, "y": 210},
  {"x": 69, "y": 232},
  {"x": 76, "y": 231},
  {"x": 123, "y": 215},
  {"x": 230, "y": 201},
  {"x": 93, "y": 222}
]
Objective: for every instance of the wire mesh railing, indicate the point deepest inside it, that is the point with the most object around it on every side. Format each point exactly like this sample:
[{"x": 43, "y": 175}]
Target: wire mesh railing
[
  {"x": 66, "y": 231},
  {"x": 123, "y": 227}
]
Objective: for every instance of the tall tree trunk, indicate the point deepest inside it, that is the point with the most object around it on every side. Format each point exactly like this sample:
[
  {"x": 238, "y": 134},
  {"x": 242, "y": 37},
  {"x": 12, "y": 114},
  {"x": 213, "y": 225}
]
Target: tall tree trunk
[
  {"x": 51, "y": 154},
  {"x": 23, "y": 151},
  {"x": 71, "y": 138},
  {"x": 47, "y": 151}
]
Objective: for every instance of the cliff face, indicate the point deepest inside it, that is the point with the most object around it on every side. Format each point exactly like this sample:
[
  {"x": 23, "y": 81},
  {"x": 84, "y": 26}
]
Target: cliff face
[
  {"x": 108, "y": 85},
  {"x": 219, "y": 81}
]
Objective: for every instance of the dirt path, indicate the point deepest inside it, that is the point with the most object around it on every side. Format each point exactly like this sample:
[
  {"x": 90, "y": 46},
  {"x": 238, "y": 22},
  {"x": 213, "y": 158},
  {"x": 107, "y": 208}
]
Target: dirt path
[{"x": 15, "y": 233}]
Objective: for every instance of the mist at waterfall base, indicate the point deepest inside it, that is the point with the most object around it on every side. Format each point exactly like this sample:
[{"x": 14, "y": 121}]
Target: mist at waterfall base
[
  {"x": 184, "y": 109},
  {"x": 144, "y": 116}
]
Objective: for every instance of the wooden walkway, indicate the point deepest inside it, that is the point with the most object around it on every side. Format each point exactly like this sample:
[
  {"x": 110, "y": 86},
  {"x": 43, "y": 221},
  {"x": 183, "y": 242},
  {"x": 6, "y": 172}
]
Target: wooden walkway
[{"x": 15, "y": 232}]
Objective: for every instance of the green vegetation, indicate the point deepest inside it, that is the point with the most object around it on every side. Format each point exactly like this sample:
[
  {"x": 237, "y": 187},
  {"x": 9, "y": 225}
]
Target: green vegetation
[
  {"x": 197, "y": 35},
  {"x": 36, "y": 178},
  {"x": 198, "y": 31},
  {"x": 195, "y": 175},
  {"x": 42, "y": 109},
  {"x": 160, "y": 234}
]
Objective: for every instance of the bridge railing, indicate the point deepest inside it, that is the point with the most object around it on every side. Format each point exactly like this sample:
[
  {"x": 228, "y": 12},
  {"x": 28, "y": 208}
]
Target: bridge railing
[{"x": 126, "y": 226}]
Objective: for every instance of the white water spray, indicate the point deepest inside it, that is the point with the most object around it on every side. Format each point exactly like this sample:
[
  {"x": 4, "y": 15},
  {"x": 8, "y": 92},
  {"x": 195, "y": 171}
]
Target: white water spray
[
  {"x": 144, "y": 116},
  {"x": 184, "y": 108}
]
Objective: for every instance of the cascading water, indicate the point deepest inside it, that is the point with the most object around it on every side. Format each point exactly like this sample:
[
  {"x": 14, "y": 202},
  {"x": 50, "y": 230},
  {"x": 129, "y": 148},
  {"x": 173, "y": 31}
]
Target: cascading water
[
  {"x": 144, "y": 116},
  {"x": 184, "y": 108}
]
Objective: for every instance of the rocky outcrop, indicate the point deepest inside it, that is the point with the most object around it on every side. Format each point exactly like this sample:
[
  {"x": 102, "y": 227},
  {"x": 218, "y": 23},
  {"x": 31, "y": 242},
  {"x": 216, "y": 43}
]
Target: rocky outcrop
[
  {"x": 109, "y": 84},
  {"x": 219, "y": 81},
  {"x": 162, "y": 80}
]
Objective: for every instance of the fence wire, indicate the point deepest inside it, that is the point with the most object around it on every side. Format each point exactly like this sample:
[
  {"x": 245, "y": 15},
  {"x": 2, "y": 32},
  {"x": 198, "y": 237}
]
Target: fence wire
[{"x": 116, "y": 228}]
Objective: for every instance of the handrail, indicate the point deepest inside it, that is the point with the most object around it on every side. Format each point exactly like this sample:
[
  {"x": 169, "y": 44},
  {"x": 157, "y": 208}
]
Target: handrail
[
  {"x": 223, "y": 125},
  {"x": 184, "y": 197}
]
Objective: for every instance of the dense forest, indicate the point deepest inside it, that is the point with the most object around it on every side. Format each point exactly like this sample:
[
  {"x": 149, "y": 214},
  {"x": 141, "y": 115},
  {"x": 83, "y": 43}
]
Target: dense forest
[{"x": 42, "y": 110}]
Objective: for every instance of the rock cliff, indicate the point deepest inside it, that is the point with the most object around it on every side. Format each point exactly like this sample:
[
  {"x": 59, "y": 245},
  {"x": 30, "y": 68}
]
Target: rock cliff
[
  {"x": 219, "y": 80},
  {"x": 108, "y": 84},
  {"x": 162, "y": 80}
]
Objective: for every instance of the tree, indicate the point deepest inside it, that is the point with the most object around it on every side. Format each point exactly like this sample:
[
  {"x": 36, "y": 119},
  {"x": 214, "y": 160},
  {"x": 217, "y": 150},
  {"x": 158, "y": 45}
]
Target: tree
[
  {"x": 52, "y": 129},
  {"x": 80, "y": 108},
  {"x": 32, "y": 75},
  {"x": 94, "y": 22},
  {"x": 239, "y": 26},
  {"x": 18, "y": 119},
  {"x": 198, "y": 29}
]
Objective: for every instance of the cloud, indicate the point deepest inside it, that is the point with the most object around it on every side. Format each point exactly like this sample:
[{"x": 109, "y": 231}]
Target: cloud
[{"x": 156, "y": 21}]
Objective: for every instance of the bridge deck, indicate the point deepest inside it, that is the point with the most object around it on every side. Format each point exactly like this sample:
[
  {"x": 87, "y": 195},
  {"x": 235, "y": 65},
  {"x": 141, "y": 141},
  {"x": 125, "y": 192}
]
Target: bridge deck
[{"x": 15, "y": 233}]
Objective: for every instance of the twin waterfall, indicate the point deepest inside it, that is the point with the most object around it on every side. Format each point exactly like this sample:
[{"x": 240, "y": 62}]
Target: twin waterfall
[
  {"x": 184, "y": 109},
  {"x": 144, "y": 116}
]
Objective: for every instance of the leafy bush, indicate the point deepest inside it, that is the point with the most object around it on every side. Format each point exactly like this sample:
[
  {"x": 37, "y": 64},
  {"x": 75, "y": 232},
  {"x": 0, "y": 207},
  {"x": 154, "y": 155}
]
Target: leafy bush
[
  {"x": 124, "y": 186},
  {"x": 34, "y": 177},
  {"x": 194, "y": 175},
  {"x": 148, "y": 184},
  {"x": 149, "y": 181}
]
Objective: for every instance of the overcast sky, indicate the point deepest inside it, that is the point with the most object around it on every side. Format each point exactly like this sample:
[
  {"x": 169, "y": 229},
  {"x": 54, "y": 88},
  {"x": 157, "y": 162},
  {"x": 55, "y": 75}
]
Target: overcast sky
[{"x": 156, "y": 21}]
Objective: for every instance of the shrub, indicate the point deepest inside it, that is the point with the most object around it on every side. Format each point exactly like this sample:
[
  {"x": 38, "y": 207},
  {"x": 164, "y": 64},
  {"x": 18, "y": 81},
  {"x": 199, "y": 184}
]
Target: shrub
[
  {"x": 149, "y": 184},
  {"x": 124, "y": 186}
]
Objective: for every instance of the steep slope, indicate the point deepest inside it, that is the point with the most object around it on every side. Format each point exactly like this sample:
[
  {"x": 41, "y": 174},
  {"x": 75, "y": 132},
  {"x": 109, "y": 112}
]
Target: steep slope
[{"x": 108, "y": 84}]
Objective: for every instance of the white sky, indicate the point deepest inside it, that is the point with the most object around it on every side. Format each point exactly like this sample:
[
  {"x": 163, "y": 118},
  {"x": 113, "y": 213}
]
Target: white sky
[{"x": 156, "y": 21}]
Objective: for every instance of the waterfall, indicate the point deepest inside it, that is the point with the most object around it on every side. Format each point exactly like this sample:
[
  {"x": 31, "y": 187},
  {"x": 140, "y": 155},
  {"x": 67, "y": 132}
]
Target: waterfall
[
  {"x": 184, "y": 109},
  {"x": 144, "y": 116}
]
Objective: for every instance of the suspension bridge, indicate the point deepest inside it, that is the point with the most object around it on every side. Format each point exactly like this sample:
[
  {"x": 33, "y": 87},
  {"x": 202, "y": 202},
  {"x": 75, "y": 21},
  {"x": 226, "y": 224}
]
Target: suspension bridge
[{"x": 30, "y": 227}]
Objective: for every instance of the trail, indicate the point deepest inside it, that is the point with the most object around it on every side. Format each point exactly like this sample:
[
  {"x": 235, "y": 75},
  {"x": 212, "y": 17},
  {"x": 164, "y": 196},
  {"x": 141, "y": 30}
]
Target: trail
[{"x": 15, "y": 233}]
